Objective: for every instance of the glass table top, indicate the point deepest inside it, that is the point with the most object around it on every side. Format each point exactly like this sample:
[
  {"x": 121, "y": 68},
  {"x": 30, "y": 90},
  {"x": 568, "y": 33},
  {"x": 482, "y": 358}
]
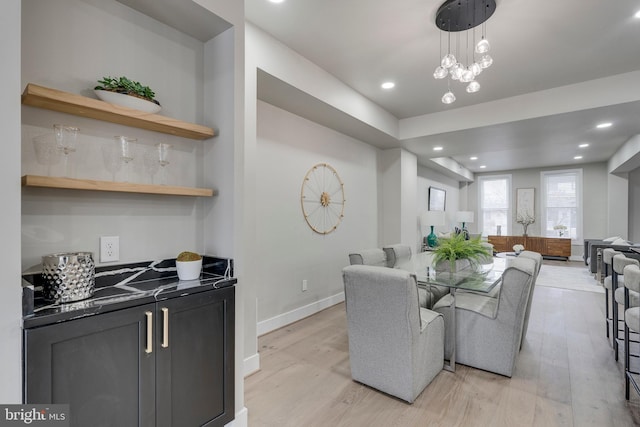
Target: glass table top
[{"x": 482, "y": 279}]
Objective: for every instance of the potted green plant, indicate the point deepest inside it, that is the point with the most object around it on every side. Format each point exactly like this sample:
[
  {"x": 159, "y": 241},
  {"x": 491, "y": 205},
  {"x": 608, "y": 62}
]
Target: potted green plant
[
  {"x": 456, "y": 253},
  {"x": 127, "y": 93}
]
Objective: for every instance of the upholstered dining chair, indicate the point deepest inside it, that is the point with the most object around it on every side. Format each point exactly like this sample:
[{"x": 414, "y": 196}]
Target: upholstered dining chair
[
  {"x": 489, "y": 330},
  {"x": 631, "y": 323},
  {"x": 537, "y": 258},
  {"x": 373, "y": 256},
  {"x": 620, "y": 261},
  {"x": 397, "y": 253},
  {"x": 427, "y": 295},
  {"x": 395, "y": 345}
]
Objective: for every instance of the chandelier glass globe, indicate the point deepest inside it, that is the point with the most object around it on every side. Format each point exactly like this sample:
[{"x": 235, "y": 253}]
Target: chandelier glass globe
[
  {"x": 483, "y": 46},
  {"x": 448, "y": 60},
  {"x": 440, "y": 73},
  {"x": 456, "y": 71},
  {"x": 448, "y": 97},
  {"x": 473, "y": 87},
  {"x": 475, "y": 68},
  {"x": 467, "y": 76},
  {"x": 486, "y": 61}
]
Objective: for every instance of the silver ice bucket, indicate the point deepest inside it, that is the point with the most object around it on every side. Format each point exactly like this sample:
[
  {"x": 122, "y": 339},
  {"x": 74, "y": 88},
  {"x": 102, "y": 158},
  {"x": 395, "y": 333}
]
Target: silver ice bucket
[{"x": 68, "y": 276}]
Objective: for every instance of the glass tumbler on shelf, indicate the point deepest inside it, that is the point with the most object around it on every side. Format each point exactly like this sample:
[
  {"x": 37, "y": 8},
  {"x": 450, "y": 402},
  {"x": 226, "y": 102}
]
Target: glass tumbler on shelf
[
  {"x": 66, "y": 138},
  {"x": 125, "y": 147},
  {"x": 47, "y": 153},
  {"x": 163, "y": 160}
]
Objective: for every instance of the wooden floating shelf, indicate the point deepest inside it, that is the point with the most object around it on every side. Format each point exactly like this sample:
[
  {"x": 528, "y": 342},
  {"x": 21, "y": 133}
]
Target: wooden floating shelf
[
  {"x": 70, "y": 103},
  {"x": 120, "y": 187}
]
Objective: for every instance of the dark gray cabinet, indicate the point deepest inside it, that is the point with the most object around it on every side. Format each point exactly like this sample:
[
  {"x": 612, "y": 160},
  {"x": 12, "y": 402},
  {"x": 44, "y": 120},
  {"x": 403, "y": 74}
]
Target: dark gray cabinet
[{"x": 168, "y": 363}]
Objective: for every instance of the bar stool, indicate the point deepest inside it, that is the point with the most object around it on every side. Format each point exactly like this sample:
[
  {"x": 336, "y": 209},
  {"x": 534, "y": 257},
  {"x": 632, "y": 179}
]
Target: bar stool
[
  {"x": 607, "y": 260},
  {"x": 631, "y": 324},
  {"x": 619, "y": 263}
]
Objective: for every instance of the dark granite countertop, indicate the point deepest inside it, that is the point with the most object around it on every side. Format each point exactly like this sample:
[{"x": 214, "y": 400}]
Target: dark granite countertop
[{"x": 122, "y": 286}]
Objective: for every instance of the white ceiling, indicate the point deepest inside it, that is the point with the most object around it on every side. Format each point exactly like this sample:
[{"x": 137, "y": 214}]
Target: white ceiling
[{"x": 536, "y": 46}]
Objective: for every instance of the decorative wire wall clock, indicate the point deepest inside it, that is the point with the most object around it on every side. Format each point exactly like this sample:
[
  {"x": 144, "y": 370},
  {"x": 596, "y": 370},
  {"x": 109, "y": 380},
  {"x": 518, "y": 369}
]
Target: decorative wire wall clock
[{"x": 322, "y": 198}]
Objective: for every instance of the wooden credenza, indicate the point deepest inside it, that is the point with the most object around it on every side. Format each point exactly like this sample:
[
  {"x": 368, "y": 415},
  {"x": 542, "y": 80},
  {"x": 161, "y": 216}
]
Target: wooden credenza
[{"x": 546, "y": 246}]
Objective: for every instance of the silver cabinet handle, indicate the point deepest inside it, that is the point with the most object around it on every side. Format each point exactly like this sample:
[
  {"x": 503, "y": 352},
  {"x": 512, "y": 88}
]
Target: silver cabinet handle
[
  {"x": 149, "y": 347},
  {"x": 165, "y": 327}
]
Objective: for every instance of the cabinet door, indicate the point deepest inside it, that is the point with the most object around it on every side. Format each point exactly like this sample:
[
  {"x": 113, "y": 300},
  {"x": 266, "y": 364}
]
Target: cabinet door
[
  {"x": 559, "y": 247},
  {"x": 536, "y": 244},
  {"x": 515, "y": 240},
  {"x": 499, "y": 243},
  {"x": 195, "y": 366},
  {"x": 98, "y": 365}
]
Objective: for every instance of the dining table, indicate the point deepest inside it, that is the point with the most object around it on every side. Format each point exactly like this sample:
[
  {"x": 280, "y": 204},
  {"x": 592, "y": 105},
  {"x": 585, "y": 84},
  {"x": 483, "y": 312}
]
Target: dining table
[{"x": 480, "y": 278}]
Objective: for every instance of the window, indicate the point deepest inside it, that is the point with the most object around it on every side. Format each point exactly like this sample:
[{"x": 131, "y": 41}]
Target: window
[
  {"x": 561, "y": 198},
  {"x": 495, "y": 204}
]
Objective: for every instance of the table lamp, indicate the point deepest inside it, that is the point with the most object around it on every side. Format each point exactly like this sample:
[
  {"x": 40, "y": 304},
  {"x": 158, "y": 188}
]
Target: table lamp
[
  {"x": 464, "y": 217},
  {"x": 432, "y": 219}
]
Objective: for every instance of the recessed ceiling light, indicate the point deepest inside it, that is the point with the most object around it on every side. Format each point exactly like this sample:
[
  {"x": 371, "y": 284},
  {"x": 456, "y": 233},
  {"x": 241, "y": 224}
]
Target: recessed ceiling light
[
  {"x": 473, "y": 158},
  {"x": 388, "y": 85},
  {"x": 583, "y": 145},
  {"x": 604, "y": 125},
  {"x": 276, "y": 1},
  {"x": 637, "y": 15},
  {"x": 483, "y": 167},
  {"x": 577, "y": 157},
  {"x": 437, "y": 148}
]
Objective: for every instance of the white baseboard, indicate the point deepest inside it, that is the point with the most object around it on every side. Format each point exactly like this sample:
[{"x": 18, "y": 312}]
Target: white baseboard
[
  {"x": 251, "y": 364},
  {"x": 241, "y": 419},
  {"x": 299, "y": 313},
  {"x": 576, "y": 258}
]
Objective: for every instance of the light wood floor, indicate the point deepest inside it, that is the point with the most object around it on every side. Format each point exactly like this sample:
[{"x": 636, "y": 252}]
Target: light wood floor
[{"x": 565, "y": 376}]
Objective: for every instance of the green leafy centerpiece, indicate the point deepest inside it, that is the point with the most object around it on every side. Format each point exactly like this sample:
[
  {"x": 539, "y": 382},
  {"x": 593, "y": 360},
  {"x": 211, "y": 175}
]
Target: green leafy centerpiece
[{"x": 457, "y": 253}]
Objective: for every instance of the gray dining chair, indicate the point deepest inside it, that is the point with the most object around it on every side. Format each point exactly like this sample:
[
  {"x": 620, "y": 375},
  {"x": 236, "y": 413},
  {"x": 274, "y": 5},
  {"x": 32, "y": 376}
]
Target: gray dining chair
[
  {"x": 395, "y": 345},
  {"x": 537, "y": 258},
  {"x": 373, "y": 256},
  {"x": 488, "y": 331},
  {"x": 428, "y": 295},
  {"x": 397, "y": 253}
]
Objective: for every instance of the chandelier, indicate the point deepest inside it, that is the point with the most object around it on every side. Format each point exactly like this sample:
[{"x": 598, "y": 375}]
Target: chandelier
[{"x": 462, "y": 17}]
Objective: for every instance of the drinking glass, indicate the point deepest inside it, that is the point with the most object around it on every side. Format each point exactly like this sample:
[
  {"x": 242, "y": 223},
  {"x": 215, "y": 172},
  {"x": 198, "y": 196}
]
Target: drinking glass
[
  {"x": 47, "y": 153},
  {"x": 126, "y": 153},
  {"x": 66, "y": 138},
  {"x": 163, "y": 151}
]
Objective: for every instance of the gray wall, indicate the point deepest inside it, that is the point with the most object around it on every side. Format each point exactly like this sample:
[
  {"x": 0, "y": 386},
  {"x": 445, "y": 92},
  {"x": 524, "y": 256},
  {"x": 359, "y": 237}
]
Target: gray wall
[
  {"x": 595, "y": 189},
  {"x": 10, "y": 290},
  {"x": 634, "y": 205}
]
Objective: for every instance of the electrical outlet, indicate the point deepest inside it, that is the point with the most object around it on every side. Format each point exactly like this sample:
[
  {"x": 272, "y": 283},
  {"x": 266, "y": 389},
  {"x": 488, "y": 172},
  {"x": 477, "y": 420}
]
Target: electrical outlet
[
  {"x": 304, "y": 285},
  {"x": 109, "y": 248}
]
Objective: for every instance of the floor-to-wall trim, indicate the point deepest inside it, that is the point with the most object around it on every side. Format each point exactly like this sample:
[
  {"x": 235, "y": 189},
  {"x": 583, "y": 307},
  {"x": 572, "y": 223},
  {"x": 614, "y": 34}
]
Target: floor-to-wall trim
[
  {"x": 251, "y": 364},
  {"x": 241, "y": 419},
  {"x": 284, "y": 319}
]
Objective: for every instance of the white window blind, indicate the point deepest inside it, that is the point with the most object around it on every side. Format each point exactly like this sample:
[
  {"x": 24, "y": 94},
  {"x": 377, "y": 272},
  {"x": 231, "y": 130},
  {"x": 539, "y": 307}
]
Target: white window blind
[
  {"x": 495, "y": 204},
  {"x": 562, "y": 204}
]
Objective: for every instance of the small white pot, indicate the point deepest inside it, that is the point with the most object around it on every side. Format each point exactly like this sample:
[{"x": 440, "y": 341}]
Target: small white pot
[{"x": 189, "y": 270}]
